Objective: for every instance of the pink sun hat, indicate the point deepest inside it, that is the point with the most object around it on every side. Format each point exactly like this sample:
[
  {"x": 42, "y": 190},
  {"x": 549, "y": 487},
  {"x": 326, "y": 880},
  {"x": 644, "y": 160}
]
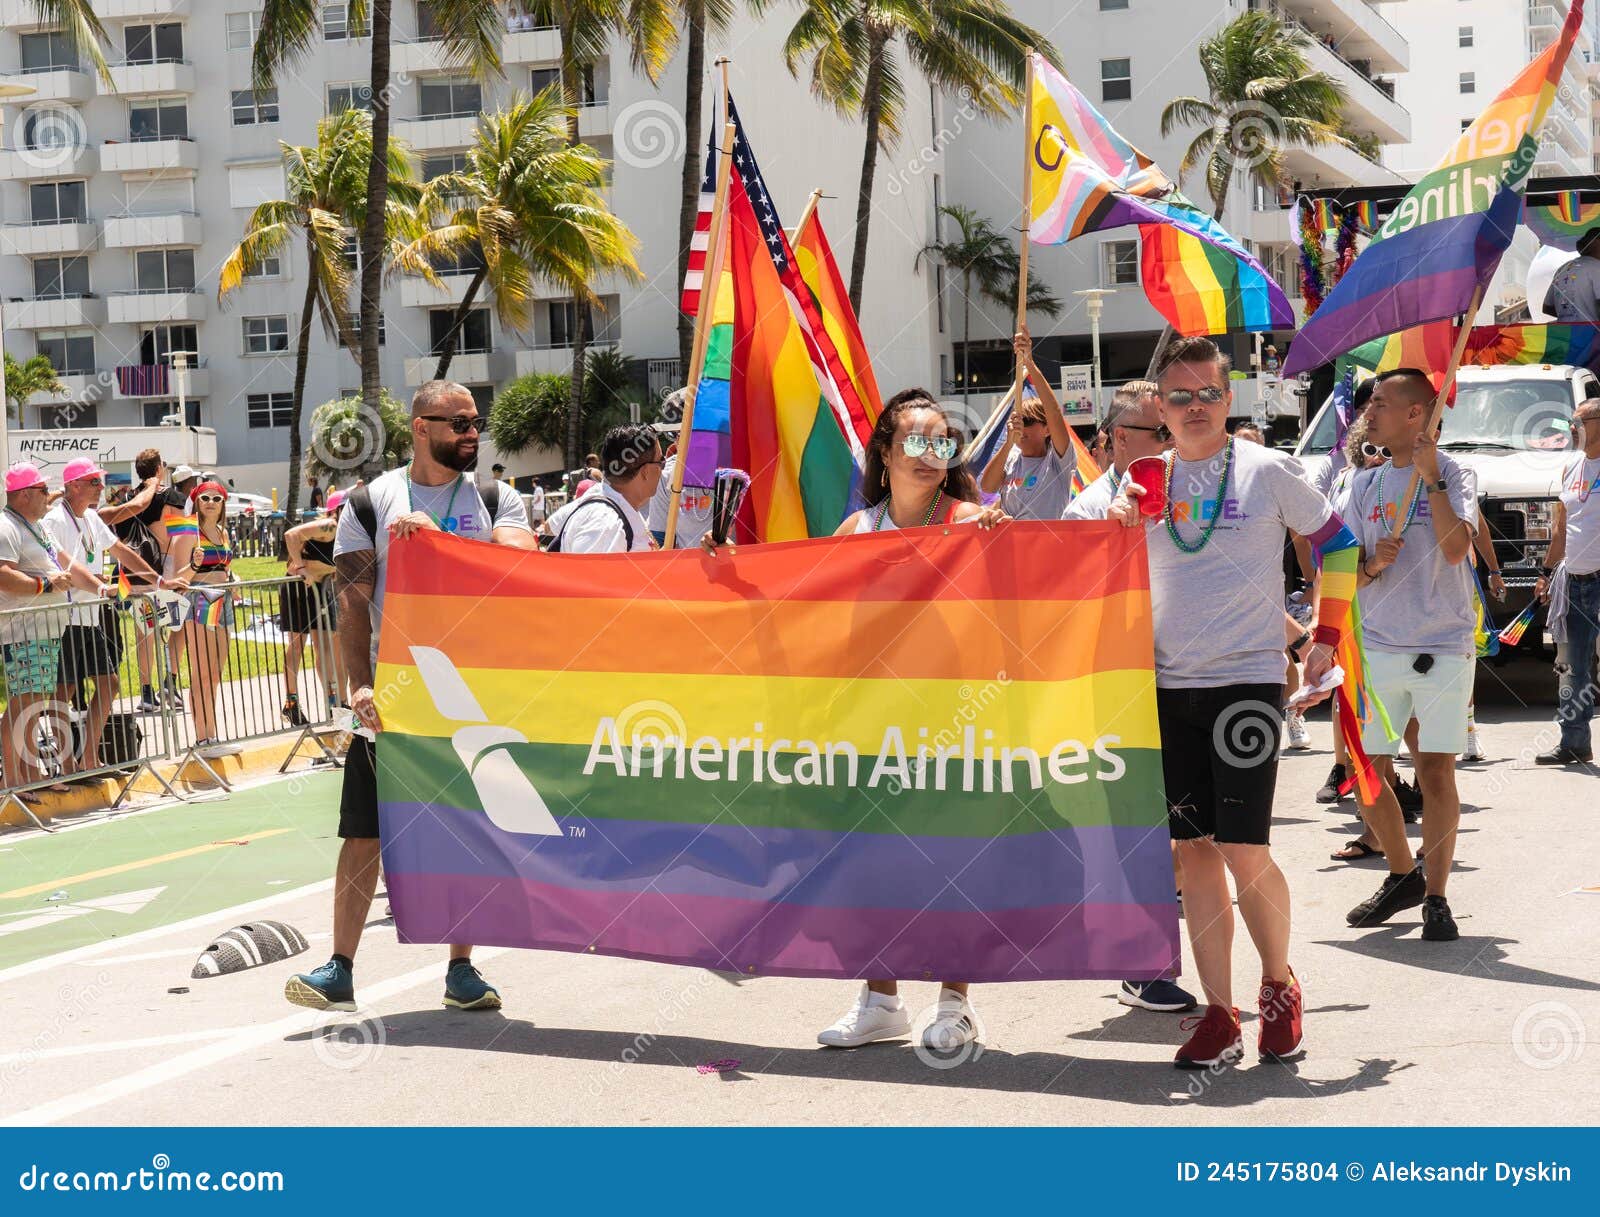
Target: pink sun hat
[
  {"x": 23, "y": 476},
  {"x": 79, "y": 468},
  {"x": 335, "y": 501}
]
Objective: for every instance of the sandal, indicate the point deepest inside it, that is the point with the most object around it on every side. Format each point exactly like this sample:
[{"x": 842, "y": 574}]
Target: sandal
[{"x": 1356, "y": 851}]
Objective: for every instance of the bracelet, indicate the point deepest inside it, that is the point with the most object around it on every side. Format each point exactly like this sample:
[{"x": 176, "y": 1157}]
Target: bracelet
[
  {"x": 1300, "y": 642},
  {"x": 1367, "y": 572},
  {"x": 1327, "y": 635},
  {"x": 1545, "y": 571},
  {"x": 39, "y": 586}
]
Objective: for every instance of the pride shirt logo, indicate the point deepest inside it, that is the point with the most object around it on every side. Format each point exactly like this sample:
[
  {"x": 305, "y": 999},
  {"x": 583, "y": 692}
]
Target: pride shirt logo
[
  {"x": 465, "y": 522},
  {"x": 1027, "y": 483},
  {"x": 1200, "y": 511},
  {"x": 1387, "y": 513}
]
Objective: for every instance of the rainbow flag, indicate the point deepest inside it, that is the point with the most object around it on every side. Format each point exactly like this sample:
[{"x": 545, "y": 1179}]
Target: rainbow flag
[
  {"x": 1518, "y": 625},
  {"x": 819, "y": 271},
  {"x": 183, "y": 526},
  {"x": 1447, "y": 236},
  {"x": 982, "y": 446},
  {"x": 1562, "y": 223},
  {"x": 124, "y": 588},
  {"x": 862, "y": 800},
  {"x": 1428, "y": 347},
  {"x": 211, "y": 615},
  {"x": 1088, "y": 179},
  {"x": 1366, "y": 215}
]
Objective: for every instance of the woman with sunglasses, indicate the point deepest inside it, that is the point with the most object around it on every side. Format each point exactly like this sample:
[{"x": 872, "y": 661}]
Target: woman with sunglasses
[
  {"x": 203, "y": 550},
  {"x": 1031, "y": 470},
  {"x": 913, "y": 478}
]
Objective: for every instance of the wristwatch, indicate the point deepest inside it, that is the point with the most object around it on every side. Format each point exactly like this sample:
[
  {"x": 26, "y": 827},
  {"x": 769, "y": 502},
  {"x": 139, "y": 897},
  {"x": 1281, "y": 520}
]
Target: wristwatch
[{"x": 1438, "y": 487}]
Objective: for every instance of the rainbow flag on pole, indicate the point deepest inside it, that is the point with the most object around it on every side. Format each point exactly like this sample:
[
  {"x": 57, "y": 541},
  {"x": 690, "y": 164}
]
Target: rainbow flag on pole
[
  {"x": 183, "y": 526},
  {"x": 978, "y": 797},
  {"x": 1446, "y": 237},
  {"x": 211, "y": 615},
  {"x": 1428, "y": 347}
]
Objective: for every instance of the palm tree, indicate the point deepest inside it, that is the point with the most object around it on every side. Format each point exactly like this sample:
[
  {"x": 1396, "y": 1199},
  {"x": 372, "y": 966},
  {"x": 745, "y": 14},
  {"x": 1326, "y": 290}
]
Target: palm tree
[
  {"x": 23, "y": 380},
  {"x": 470, "y": 31},
  {"x": 77, "y": 20},
  {"x": 974, "y": 48},
  {"x": 527, "y": 207},
  {"x": 983, "y": 257},
  {"x": 325, "y": 196}
]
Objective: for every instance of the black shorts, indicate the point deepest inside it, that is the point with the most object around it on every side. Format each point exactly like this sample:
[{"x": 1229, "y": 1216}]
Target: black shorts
[
  {"x": 1219, "y": 759},
  {"x": 358, "y": 801},
  {"x": 305, "y": 607},
  {"x": 90, "y": 651}
]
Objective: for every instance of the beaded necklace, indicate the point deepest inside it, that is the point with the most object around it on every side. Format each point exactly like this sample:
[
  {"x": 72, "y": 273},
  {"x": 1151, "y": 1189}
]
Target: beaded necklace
[
  {"x": 448, "y": 507},
  {"x": 1207, "y": 528},
  {"x": 44, "y": 542},
  {"x": 926, "y": 520},
  {"x": 1383, "y": 502},
  {"x": 88, "y": 541}
]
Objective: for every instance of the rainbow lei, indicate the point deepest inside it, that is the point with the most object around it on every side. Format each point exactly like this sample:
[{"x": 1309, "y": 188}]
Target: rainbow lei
[{"x": 1311, "y": 284}]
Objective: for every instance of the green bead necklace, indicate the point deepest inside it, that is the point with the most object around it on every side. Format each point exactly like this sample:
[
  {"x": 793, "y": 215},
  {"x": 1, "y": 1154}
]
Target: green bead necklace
[
  {"x": 926, "y": 520},
  {"x": 1208, "y": 528},
  {"x": 1383, "y": 500}
]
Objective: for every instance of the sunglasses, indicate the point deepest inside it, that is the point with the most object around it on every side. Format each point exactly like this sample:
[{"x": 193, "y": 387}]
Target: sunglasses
[
  {"x": 1576, "y": 424},
  {"x": 1182, "y": 397},
  {"x": 1160, "y": 431},
  {"x": 459, "y": 423},
  {"x": 943, "y": 447},
  {"x": 1370, "y": 450},
  {"x": 210, "y": 498},
  {"x": 1033, "y": 422}
]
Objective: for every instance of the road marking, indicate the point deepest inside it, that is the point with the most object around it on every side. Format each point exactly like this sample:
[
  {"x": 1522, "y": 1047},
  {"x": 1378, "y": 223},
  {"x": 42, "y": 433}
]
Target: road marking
[
  {"x": 153, "y": 1041},
  {"x": 241, "y": 1041},
  {"x": 174, "y": 953},
  {"x": 202, "y": 920},
  {"x": 126, "y": 903},
  {"x": 124, "y": 867}
]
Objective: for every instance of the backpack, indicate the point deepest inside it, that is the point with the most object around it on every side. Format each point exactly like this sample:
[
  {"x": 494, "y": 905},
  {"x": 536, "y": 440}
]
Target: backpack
[
  {"x": 360, "y": 502},
  {"x": 627, "y": 528}
]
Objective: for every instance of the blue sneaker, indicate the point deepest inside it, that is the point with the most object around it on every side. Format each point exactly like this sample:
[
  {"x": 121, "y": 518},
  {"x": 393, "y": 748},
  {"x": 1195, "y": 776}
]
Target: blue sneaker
[
  {"x": 466, "y": 989},
  {"x": 330, "y": 987},
  {"x": 1161, "y": 995}
]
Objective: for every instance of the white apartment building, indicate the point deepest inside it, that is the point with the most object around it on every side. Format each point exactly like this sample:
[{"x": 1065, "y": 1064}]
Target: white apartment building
[
  {"x": 118, "y": 206},
  {"x": 1130, "y": 57}
]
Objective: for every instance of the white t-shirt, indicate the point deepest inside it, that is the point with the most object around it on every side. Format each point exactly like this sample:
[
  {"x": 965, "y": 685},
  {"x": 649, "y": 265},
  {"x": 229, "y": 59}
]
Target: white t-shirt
[
  {"x": 1095, "y": 501},
  {"x": 19, "y": 548},
  {"x": 88, "y": 540},
  {"x": 456, "y": 506},
  {"x": 1574, "y": 293},
  {"x": 1036, "y": 487},
  {"x": 598, "y": 530},
  {"x": 1422, "y": 604},
  {"x": 1219, "y": 612},
  {"x": 694, "y": 510},
  {"x": 536, "y": 501},
  {"x": 1579, "y": 482}
]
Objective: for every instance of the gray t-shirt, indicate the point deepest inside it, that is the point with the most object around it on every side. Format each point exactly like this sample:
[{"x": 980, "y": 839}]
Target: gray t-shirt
[
  {"x": 1579, "y": 481},
  {"x": 457, "y": 506},
  {"x": 1219, "y": 612},
  {"x": 1421, "y": 604},
  {"x": 1095, "y": 501},
  {"x": 1327, "y": 472},
  {"x": 21, "y": 549},
  {"x": 1036, "y": 487},
  {"x": 1574, "y": 293}
]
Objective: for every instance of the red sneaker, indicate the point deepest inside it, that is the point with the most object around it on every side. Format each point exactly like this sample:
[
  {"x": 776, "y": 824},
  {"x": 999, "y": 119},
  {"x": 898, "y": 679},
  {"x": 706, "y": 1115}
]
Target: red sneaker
[
  {"x": 1282, "y": 1007},
  {"x": 1216, "y": 1039}
]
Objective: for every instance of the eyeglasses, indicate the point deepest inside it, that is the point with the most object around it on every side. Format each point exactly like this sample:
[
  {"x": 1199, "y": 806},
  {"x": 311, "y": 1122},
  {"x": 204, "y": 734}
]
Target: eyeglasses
[
  {"x": 1033, "y": 422},
  {"x": 1160, "y": 431},
  {"x": 943, "y": 447},
  {"x": 1576, "y": 423},
  {"x": 459, "y": 423},
  {"x": 210, "y": 498},
  {"x": 1182, "y": 397}
]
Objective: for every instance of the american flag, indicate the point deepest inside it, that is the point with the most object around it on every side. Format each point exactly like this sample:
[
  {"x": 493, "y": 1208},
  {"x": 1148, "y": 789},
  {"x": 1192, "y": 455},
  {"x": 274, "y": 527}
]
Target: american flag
[{"x": 690, "y": 303}]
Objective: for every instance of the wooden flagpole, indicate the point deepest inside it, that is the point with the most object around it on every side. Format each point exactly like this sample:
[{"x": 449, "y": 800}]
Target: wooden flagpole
[
  {"x": 805, "y": 216},
  {"x": 1027, "y": 217},
  {"x": 1456, "y": 355}
]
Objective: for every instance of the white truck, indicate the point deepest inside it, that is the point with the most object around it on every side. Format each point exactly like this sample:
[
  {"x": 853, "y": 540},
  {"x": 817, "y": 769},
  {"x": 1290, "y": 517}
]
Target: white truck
[{"x": 1509, "y": 426}]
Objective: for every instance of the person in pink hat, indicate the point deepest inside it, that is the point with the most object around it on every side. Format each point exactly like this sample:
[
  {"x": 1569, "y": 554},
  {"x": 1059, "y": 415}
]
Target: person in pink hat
[
  {"x": 91, "y": 649},
  {"x": 34, "y": 574},
  {"x": 307, "y": 610}
]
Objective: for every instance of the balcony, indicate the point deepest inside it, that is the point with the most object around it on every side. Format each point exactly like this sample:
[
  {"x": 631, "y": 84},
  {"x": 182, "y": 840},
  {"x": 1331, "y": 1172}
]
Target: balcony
[
  {"x": 48, "y": 237},
  {"x": 594, "y": 120},
  {"x": 76, "y": 386},
  {"x": 154, "y": 307},
  {"x": 56, "y": 313},
  {"x": 143, "y": 232},
  {"x": 154, "y": 382},
  {"x": 531, "y": 46},
  {"x": 38, "y": 164},
  {"x": 554, "y": 359},
  {"x": 121, "y": 10},
  {"x": 419, "y": 293},
  {"x": 1356, "y": 26},
  {"x": 51, "y": 84},
  {"x": 163, "y": 156},
  {"x": 1336, "y": 166},
  {"x": 423, "y": 55},
  {"x": 1543, "y": 19},
  {"x": 428, "y": 132},
  {"x": 138, "y": 79},
  {"x": 467, "y": 369},
  {"x": 1365, "y": 102}
]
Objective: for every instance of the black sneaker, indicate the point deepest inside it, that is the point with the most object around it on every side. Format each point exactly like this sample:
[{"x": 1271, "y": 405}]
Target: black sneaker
[
  {"x": 1565, "y": 756},
  {"x": 1396, "y": 893},
  {"x": 292, "y": 714},
  {"x": 1437, "y": 923},
  {"x": 1330, "y": 789},
  {"x": 1409, "y": 796}
]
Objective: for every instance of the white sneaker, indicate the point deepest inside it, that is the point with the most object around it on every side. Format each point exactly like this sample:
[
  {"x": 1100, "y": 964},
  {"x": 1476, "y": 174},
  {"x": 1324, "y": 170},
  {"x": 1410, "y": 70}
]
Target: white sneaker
[
  {"x": 1299, "y": 737},
  {"x": 953, "y": 1025},
  {"x": 1474, "y": 750},
  {"x": 873, "y": 1017},
  {"x": 213, "y": 751}
]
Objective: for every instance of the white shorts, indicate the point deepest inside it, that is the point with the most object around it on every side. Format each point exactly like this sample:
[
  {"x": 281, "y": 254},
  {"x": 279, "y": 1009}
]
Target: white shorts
[{"x": 1438, "y": 700}]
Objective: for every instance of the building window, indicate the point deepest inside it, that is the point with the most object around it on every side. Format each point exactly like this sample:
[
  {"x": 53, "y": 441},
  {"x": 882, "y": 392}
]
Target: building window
[
  {"x": 1469, "y": 82},
  {"x": 1119, "y": 263},
  {"x": 158, "y": 118},
  {"x": 253, "y": 106},
  {"x": 1464, "y": 36},
  {"x": 483, "y": 398},
  {"x": 60, "y": 278},
  {"x": 427, "y": 23},
  {"x": 153, "y": 43},
  {"x": 266, "y": 335},
  {"x": 71, "y": 352},
  {"x": 47, "y": 51},
  {"x": 1465, "y": 123},
  {"x": 337, "y": 25},
  {"x": 69, "y": 416},
  {"x": 474, "y": 336},
  {"x": 441, "y": 163},
  {"x": 267, "y": 268},
  {"x": 269, "y": 409},
  {"x": 543, "y": 78},
  {"x": 1113, "y": 6},
  {"x": 164, "y": 270},
  {"x": 1116, "y": 79},
  {"x": 57, "y": 203},
  {"x": 242, "y": 30},
  {"x": 157, "y": 412},
  {"x": 50, "y": 126},
  {"x": 355, "y": 331},
  {"x": 158, "y": 343},
  {"x": 351, "y": 96},
  {"x": 450, "y": 97}
]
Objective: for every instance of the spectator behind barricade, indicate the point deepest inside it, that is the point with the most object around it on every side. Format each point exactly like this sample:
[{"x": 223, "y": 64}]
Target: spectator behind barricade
[
  {"x": 317, "y": 499},
  {"x": 605, "y": 518},
  {"x": 136, "y": 520},
  {"x": 175, "y": 506},
  {"x": 536, "y": 505},
  {"x": 307, "y": 608},
  {"x": 203, "y": 616}
]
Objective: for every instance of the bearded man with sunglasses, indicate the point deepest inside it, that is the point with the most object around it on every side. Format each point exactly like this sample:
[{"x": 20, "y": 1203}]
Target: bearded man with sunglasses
[
  {"x": 1216, "y": 590},
  {"x": 433, "y": 492}
]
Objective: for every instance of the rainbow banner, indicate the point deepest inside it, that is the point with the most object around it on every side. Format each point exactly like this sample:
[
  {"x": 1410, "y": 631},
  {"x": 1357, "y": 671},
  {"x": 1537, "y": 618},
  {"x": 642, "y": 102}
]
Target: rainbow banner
[
  {"x": 922, "y": 753},
  {"x": 1563, "y": 222},
  {"x": 1446, "y": 238},
  {"x": 1428, "y": 347},
  {"x": 183, "y": 526}
]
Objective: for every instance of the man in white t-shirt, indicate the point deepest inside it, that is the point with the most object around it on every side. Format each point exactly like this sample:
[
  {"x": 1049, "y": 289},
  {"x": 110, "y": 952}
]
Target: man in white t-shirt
[
  {"x": 607, "y": 519},
  {"x": 1575, "y": 551},
  {"x": 1574, "y": 294},
  {"x": 536, "y": 505},
  {"x": 436, "y": 491},
  {"x": 1133, "y": 425},
  {"x": 1418, "y": 626},
  {"x": 694, "y": 509},
  {"x": 1216, "y": 592}
]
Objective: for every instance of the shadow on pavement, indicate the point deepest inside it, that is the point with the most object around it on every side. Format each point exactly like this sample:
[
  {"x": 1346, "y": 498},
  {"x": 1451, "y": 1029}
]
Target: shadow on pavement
[{"x": 1480, "y": 954}]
